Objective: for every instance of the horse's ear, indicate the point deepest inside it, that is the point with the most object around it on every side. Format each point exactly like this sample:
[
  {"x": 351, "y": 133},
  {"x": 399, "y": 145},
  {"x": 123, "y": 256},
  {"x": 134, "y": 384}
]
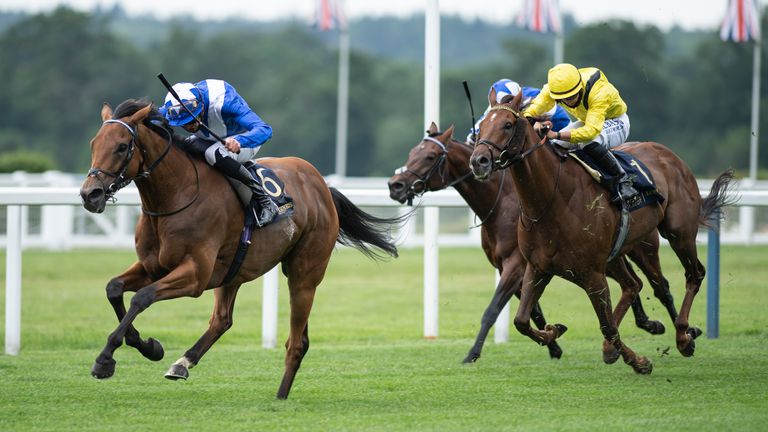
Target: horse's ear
[
  {"x": 448, "y": 134},
  {"x": 492, "y": 97},
  {"x": 516, "y": 101},
  {"x": 432, "y": 128},
  {"x": 141, "y": 114},
  {"x": 106, "y": 112}
]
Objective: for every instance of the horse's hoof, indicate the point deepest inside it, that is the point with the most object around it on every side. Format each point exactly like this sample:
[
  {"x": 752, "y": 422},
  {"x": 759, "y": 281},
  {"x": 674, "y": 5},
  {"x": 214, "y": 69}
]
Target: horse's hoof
[
  {"x": 555, "y": 352},
  {"x": 103, "y": 369},
  {"x": 643, "y": 366},
  {"x": 653, "y": 327},
  {"x": 471, "y": 358},
  {"x": 610, "y": 354},
  {"x": 177, "y": 372},
  {"x": 153, "y": 350},
  {"x": 561, "y": 329},
  {"x": 688, "y": 349},
  {"x": 694, "y": 332}
]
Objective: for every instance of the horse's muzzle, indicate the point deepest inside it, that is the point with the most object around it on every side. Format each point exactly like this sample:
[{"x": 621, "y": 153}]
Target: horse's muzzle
[
  {"x": 398, "y": 191},
  {"x": 481, "y": 165},
  {"x": 94, "y": 199}
]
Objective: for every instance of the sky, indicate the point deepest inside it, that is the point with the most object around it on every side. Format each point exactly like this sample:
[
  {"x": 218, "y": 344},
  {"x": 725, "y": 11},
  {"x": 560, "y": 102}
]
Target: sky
[{"x": 688, "y": 14}]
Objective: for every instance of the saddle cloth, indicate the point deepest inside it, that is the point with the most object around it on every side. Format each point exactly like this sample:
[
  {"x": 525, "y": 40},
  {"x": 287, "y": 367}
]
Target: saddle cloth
[
  {"x": 272, "y": 185},
  {"x": 641, "y": 177}
]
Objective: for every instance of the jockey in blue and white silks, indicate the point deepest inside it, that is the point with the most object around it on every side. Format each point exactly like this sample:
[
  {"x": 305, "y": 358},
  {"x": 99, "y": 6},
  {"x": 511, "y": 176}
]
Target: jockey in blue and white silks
[
  {"x": 218, "y": 105},
  {"x": 505, "y": 87}
]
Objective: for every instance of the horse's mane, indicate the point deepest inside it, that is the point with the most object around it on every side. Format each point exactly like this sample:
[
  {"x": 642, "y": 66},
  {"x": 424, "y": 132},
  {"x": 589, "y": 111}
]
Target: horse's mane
[{"x": 154, "y": 120}]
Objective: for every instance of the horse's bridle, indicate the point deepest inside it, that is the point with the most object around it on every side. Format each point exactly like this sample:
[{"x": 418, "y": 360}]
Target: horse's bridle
[
  {"x": 500, "y": 162},
  {"x": 437, "y": 167},
  {"x": 121, "y": 180}
]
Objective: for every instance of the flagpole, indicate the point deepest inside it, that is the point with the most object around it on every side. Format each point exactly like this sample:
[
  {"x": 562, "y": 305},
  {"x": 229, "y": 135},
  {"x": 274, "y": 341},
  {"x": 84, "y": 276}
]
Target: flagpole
[
  {"x": 559, "y": 47},
  {"x": 342, "y": 111},
  {"x": 755, "y": 123}
]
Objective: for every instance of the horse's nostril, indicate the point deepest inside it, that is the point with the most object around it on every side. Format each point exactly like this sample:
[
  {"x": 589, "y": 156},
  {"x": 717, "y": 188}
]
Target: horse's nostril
[
  {"x": 397, "y": 187},
  {"x": 95, "y": 195},
  {"x": 483, "y": 161}
]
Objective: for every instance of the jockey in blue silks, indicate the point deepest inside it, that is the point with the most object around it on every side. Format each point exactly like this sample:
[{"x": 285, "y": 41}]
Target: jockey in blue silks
[
  {"x": 217, "y": 104},
  {"x": 505, "y": 87}
]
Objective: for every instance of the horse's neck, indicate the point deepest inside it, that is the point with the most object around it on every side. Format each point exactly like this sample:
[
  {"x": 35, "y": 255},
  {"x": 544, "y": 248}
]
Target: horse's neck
[
  {"x": 163, "y": 188},
  {"x": 537, "y": 179},
  {"x": 480, "y": 196}
]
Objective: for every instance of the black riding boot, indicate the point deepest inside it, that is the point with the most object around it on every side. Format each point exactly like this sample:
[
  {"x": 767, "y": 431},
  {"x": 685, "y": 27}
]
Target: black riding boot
[
  {"x": 607, "y": 161},
  {"x": 232, "y": 168}
]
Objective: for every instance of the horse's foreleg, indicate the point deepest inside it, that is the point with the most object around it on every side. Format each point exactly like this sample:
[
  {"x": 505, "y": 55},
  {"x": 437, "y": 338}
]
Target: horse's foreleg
[
  {"x": 181, "y": 281},
  {"x": 509, "y": 283},
  {"x": 597, "y": 290},
  {"x": 620, "y": 270},
  {"x": 131, "y": 280},
  {"x": 220, "y": 322},
  {"x": 532, "y": 288}
]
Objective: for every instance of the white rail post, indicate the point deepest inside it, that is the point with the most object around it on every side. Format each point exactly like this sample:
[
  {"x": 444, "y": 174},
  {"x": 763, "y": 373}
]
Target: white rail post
[
  {"x": 501, "y": 328},
  {"x": 269, "y": 309},
  {"x": 13, "y": 281},
  {"x": 431, "y": 271}
]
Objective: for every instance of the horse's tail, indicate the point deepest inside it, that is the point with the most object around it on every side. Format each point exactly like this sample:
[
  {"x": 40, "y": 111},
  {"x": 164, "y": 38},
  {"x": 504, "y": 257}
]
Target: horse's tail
[
  {"x": 362, "y": 230},
  {"x": 717, "y": 199}
]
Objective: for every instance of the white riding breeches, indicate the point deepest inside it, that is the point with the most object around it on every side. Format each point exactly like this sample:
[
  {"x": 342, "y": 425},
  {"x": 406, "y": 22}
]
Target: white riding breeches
[
  {"x": 615, "y": 132},
  {"x": 246, "y": 153}
]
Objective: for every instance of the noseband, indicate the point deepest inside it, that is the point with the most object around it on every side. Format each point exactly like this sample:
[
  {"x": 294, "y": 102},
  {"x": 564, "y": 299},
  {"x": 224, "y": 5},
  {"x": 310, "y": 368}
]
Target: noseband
[{"x": 503, "y": 161}]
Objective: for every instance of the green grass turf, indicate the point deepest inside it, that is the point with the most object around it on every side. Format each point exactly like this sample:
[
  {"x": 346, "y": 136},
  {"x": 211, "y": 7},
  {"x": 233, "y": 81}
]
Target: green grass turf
[{"x": 369, "y": 368}]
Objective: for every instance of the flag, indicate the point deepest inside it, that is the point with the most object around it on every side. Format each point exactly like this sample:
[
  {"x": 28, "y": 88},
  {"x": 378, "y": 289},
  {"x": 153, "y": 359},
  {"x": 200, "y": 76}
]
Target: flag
[
  {"x": 329, "y": 14},
  {"x": 541, "y": 16},
  {"x": 741, "y": 22}
]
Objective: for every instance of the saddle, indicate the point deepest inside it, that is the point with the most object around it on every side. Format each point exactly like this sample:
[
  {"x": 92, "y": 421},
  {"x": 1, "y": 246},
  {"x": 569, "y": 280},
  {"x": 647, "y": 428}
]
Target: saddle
[{"x": 636, "y": 170}]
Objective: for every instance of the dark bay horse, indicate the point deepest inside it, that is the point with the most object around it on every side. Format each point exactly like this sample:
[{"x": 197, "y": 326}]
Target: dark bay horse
[
  {"x": 438, "y": 162},
  {"x": 188, "y": 233},
  {"x": 567, "y": 225}
]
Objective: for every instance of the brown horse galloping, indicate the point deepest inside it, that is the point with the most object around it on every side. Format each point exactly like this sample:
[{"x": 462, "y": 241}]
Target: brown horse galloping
[
  {"x": 188, "y": 235},
  {"x": 567, "y": 226},
  {"x": 439, "y": 162}
]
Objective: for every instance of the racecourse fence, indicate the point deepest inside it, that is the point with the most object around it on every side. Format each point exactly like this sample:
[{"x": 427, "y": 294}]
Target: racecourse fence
[{"x": 44, "y": 211}]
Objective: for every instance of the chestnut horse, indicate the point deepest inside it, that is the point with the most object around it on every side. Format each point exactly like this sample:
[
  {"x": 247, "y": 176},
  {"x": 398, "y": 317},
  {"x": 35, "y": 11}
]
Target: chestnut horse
[
  {"x": 567, "y": 224},
  {"x": 188, "y": 234},
  {"x": 439, "y": 162}
]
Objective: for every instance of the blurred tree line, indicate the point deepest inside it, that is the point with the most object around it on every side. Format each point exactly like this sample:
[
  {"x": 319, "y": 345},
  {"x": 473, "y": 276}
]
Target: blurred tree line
[{"x": 690, "y": 91}]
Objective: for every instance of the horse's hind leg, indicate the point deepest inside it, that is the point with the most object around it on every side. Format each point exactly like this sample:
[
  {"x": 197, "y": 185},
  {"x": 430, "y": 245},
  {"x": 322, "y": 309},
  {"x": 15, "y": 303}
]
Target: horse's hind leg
[
  {"x": 220, "y": 322},
  {"x": 304, "y": 274},
  {"x": 646, "y": 255},
  {"x": 131, "y": 280},
  {"x": 694, "y": 275}
]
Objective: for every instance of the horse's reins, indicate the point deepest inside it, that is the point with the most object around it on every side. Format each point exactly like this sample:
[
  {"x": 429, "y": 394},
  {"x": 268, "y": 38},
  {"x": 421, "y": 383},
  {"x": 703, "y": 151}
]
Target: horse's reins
[
  {"x": 122, "y": 181},
  {"x": 500, "y": 164}
]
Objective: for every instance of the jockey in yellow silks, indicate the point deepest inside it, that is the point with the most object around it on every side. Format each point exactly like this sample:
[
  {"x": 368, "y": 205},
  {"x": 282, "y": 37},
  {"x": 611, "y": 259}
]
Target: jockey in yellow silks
[{"x": 601, "y": 117}]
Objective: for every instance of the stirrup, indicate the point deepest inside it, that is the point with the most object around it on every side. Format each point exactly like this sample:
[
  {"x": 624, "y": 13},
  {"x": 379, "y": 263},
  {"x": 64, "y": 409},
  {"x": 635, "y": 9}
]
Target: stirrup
[{"x": 266, "y": 213}]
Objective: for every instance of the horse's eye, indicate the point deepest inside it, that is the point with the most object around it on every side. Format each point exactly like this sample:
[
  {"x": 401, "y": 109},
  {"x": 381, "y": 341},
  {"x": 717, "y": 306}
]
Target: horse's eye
[
  {"x": 430, "y": 157},
  {"x": 122, "y": 148},
  {"x": 508, "y": 125}
]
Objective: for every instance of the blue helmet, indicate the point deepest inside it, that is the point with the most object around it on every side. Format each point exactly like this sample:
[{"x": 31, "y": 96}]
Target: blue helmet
[{"x": 190, "y": 97}]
